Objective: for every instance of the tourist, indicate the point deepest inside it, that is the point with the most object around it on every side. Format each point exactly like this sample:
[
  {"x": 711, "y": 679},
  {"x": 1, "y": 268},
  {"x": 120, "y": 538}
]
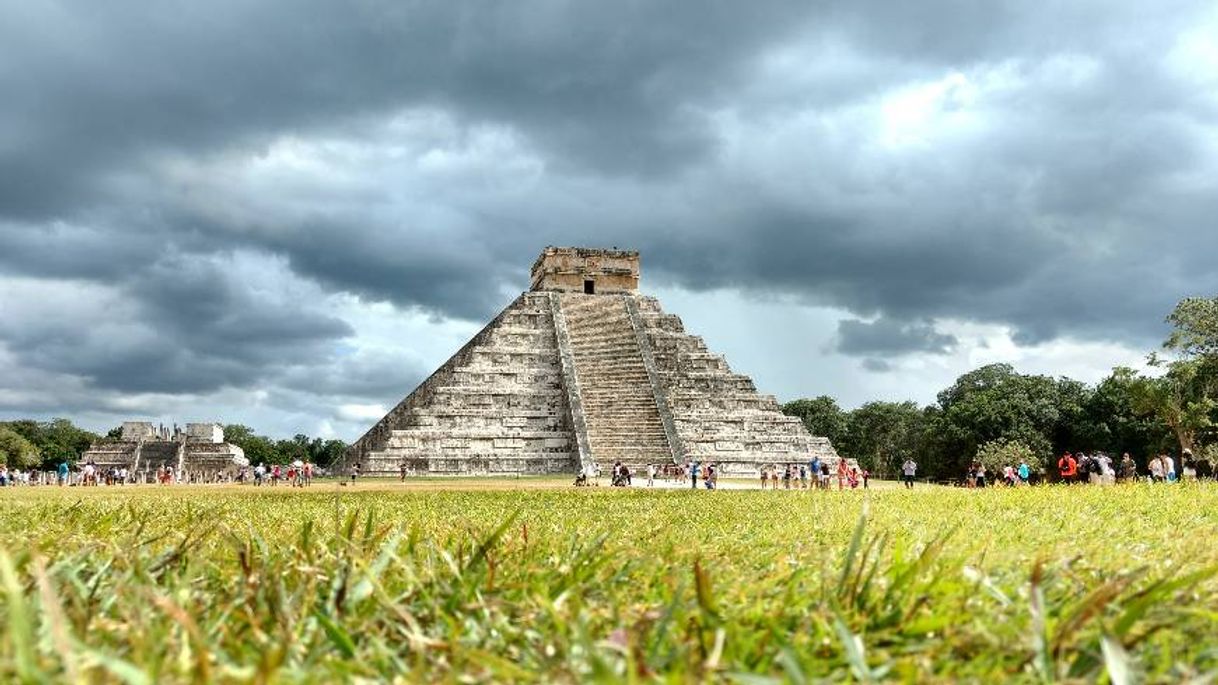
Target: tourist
[
  {"x": 843, "y": 470},
  {"x": 803, "y": 477},
  {"x": 980, "y": 475},
  {"x": 354, "y": 472},
  {"x": 824, "y": 475},
  {"x": 1169, "y": 469},
  {"x": 866, "y": 477},
  {"x": 765, "y": 475},
  {"x": 308, "y": 473},
  {"x": 908, "y": 470},
  {"x": 774, "y": 477},
  {"x": 63, "y": 473},
  {"x": 1008, "y": 475},
  {"x": 711, "y": 477},
  {"x": 1084, "y": 467},
  {"x": 1024, "y": 471},
  {"x": 1157, "y": 472},
  {"x": 277, "y": 473},
  {"x": 1067, "y": 468},
  {"x": 402, "y": 472},
  {"x": 853, "y": 478},
  {"x": 651, "y": 475},
  {"x": 786, "y": 477},
  {"x": 1188, "y": 466},
  {"x": 693, "y": 474},
  {"x": 1128, "y": 469}
]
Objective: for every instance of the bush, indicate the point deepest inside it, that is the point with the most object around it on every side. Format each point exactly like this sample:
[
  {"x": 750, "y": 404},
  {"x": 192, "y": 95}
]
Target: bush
[{"x": 997, "y": 454}]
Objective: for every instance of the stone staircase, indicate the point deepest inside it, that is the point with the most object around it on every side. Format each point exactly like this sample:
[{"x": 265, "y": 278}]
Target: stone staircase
[
  {"x": 623, "y": 421},
  {"x": 719, "y": 414},
  {"x": 498, "y": 407}
]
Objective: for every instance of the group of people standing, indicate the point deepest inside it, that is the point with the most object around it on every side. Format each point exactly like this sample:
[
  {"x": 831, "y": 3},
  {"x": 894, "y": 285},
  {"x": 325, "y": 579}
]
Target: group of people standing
[
  {"x": 814, "y": 474},
  {"x": 1099, "y": 468},
  {"x": 296, "y": 475}
]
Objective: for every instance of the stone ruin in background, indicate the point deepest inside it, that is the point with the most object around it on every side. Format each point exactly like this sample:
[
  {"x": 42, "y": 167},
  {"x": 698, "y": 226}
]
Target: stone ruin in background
[
  {"x": 198, "y": 451},
  {"x": 583, "y": 370}
]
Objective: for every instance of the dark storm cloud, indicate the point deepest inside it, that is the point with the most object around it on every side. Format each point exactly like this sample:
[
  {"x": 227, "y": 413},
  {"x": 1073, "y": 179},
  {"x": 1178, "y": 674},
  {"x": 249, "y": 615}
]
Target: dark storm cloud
[
  {"x": 739, "y": 145},
  {"x": 886, "y": 337},
  {"x": 89, "y": 90},
  {"x": 177, "y": 325}
]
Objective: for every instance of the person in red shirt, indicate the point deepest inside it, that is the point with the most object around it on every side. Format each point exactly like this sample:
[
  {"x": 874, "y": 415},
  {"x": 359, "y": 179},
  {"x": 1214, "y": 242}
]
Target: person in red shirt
[{"x": 1067, "y": 467}]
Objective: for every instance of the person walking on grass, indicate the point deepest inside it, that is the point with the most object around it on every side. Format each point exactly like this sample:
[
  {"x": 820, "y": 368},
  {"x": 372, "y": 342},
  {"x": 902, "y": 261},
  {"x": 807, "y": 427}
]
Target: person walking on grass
[
  {"x": 843, "y": 470},
  {"x": 908, "y": 470},
  {"x": 693, "y": 475},
  {"x": 1025, "y": 472}
]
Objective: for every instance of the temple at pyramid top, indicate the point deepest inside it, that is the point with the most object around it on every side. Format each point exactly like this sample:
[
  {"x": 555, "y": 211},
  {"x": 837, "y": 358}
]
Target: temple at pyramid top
[
  {"x": 582, "y": 370},
  {"x": 587, "y": 271}
]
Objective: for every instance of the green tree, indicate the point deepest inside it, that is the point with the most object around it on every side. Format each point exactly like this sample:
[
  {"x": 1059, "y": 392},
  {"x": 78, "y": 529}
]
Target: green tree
[
  {"x": 293, "y": 449},
  {"x": 1194, "y": 327},
  {"x": 329, "y": 452},
  {"x": 16, "y": 451},
  {"x": 991, "y": 403},
  {"x": 1122, "y": 427},
  {"x": 258, "y": 449},
  {"x": 881, "y": 435},
  {"x": 821, "y": 415},
  {"x": 1182, "y": 398},
  {"x": 57, "y": 440}
]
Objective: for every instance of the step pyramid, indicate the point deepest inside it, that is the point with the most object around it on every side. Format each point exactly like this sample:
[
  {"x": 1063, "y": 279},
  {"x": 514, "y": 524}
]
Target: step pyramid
[{"x": 581, "y": 371}]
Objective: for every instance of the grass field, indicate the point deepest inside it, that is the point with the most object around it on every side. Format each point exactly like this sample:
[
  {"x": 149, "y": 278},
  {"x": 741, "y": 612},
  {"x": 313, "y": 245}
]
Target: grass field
[{"x": 446, "y": 581}]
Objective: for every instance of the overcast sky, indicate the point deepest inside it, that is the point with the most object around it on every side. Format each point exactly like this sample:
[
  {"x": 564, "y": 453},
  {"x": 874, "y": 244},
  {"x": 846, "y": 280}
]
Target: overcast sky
[{"x": 287, "y": 214}]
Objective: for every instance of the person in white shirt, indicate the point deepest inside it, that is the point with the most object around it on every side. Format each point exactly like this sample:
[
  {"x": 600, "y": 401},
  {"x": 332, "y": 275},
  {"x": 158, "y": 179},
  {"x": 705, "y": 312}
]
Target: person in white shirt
[
  {"x": 651, "y": 474},
  {"x": 1156, "y": 469}
]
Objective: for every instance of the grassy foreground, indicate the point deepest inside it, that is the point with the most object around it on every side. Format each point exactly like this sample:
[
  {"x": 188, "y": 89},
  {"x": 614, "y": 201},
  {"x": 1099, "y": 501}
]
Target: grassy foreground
[{"x": 152, "y": 585}]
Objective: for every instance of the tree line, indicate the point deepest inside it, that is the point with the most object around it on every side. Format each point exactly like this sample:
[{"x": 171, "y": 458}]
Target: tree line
[
  {"x": 999, "y": 415},
  {"x": 28, "y": 443}
]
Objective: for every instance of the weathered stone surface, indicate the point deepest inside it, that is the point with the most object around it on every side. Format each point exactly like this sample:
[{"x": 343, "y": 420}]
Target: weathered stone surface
[
  {"x": 199, "y": 450},
  {"x": 498, "y": 406},
  {"x": 582, "y": 370}
]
